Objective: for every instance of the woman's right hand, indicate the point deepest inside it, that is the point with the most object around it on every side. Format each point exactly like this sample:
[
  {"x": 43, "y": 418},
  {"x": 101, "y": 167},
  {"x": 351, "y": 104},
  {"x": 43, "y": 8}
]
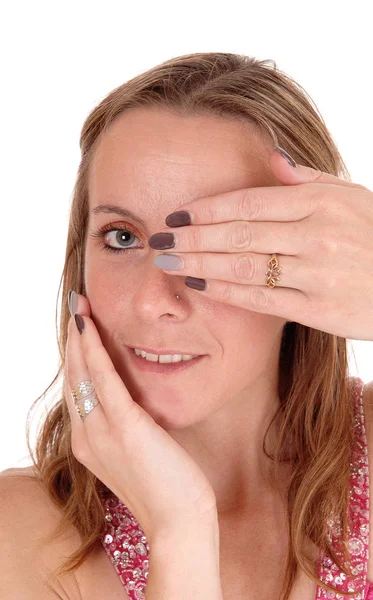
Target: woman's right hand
[{"x": 125, "y": 448}]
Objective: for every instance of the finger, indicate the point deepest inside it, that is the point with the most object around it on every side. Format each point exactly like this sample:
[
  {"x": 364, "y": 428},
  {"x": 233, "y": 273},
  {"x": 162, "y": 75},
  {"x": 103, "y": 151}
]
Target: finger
[
  {"x": 79, "y": 304},
  {"x": 289, "y": 175},
  {"x": 240, "y": 236},
  {"x": 78, "y": 372},
  {"x": 274, "y": 203},
  {"x": 244, "y": 268},
  {"x": 286, "y": 303},
  {"x": 76, "y": 423},
  {"x": 116, "y": 402}
]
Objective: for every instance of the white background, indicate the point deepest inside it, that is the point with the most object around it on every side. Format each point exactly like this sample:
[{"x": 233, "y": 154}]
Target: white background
[{"x": 58, "y": 60}]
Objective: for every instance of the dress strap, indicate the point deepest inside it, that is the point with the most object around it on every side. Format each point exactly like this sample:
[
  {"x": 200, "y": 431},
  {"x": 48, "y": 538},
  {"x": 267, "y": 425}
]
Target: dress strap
[
  {"x": 358, "y": 516},
  {"x": 127, "y": 547}
]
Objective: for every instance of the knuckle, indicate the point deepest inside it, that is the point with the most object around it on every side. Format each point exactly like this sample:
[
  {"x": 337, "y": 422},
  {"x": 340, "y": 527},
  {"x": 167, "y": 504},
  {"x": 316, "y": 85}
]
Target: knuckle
[
  {"x": 210, "y": 212},
  {"x": 226, "y": 293},
  {"x": 259, "y": 299},
  {"x": 199, "y": 264},
  {"x": 92, "y": 354},
  {"x": 250, "y": 205},
  {"x": 240, "y": 235},
  {"x": 330, "y": 283},
  {"x": 322, "y": 199},
  {"x": 243, "y": 268},
  {"x": 311, "y": 237},
  {"x": 101, "y": 382},
  {"x": 328, "y": 243},
  {"x": 195, "y": 238},
  {"x": 333, "y": 245}
]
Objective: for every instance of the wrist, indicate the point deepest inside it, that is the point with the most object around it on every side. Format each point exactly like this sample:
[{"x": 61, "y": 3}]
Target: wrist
[
  {"x": 178, "y": 555},
  {"x": 187, "y": 527}
]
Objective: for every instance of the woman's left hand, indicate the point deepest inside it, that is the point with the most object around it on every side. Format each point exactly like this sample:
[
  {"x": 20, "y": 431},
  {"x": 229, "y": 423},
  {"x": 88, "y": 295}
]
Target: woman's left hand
[{"x": 320, "y": 227}]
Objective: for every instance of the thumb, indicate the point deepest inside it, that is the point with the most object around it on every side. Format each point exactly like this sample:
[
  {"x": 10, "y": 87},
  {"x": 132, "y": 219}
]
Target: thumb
[
  {"x": 288, "y": 172},
  {"x": 79, "y": 304}
]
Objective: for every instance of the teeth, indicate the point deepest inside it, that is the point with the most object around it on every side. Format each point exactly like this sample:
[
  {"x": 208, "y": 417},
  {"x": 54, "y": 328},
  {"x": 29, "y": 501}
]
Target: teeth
[{"x": 165, "y": 358}]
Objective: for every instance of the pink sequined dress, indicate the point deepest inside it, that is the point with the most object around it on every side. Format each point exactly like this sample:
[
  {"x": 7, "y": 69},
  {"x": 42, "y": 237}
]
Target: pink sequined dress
[{"x": 128, "y": 550}]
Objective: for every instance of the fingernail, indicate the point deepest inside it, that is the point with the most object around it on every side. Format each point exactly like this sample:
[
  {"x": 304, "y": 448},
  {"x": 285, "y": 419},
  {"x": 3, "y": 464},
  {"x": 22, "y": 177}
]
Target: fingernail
[
  {"x": 168, "y": 262},
  {"x": 79, "y": 323},
  {"x": 162, "y": 241},
  {"x": 73, "y": 302},
  {"x": 287, "y": 156},
  {"x": 178, "y": 219},
  {"x": 195, "y": 283}
]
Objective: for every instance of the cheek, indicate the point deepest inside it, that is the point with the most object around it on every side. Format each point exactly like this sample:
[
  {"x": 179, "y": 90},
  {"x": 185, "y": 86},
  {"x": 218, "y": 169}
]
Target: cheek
[
  {"x": 108, "y": 290},
  {"x": 106, "y": 280},
  {"x": 251, "y": 341}
]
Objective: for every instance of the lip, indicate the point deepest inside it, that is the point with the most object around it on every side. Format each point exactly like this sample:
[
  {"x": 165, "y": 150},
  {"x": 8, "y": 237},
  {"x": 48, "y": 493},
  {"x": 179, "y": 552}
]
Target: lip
[
  {"x": 167, "y": 351},
  {"x": 162, "y": 368}
]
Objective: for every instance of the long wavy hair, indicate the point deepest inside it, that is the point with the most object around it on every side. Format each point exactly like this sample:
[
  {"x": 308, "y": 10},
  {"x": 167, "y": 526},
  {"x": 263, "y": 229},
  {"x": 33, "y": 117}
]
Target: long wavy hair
[{"x": 314, "y": 384}]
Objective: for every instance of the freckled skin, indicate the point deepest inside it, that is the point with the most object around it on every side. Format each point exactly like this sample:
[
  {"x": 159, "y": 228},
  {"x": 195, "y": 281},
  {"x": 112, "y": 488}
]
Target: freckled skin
[{"x": 152, "y": 162}]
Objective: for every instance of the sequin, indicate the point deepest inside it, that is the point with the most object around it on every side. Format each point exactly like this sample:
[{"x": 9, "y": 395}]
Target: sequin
[
  {"x": 127, "y": 547},
  {"x": 358, "y": 521},
  {"x": 355, "y": 546}
]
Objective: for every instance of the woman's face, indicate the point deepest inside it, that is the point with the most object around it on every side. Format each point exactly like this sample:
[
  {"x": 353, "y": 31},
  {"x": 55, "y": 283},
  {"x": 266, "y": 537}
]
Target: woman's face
[{"x": 151, "y": 162}]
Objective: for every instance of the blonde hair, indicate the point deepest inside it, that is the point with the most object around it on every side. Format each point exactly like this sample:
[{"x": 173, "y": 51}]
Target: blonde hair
[{"x": 314, "y": 386}]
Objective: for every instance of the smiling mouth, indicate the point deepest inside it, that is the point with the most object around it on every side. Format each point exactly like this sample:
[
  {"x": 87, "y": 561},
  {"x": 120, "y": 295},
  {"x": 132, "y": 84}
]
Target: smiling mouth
[
  {"x": 166, "y": 352},
  {"x": 154, "y": 366}
]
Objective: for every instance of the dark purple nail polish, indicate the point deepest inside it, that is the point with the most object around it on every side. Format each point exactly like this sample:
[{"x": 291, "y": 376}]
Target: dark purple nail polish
[
  {"x": 195, "y": 283},
  {"x": 162, "y": 241},
  {"x": 178, "y": 219},
  {"x": 79, "y": 323}
]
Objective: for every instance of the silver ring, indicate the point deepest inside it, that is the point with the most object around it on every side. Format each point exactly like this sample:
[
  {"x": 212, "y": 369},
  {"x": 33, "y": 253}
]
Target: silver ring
[
  {"x": 87, "y": 405},
  {"x": 85, "y": 398},
  {"x": 83, "y": 389}
]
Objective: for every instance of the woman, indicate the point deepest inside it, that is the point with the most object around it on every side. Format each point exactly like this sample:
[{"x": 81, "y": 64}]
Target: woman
[{"x": 234, "y": 466}]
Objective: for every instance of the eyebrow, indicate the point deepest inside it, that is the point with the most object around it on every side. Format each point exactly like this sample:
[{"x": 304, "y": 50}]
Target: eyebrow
[{"x": 118, "y": 210}]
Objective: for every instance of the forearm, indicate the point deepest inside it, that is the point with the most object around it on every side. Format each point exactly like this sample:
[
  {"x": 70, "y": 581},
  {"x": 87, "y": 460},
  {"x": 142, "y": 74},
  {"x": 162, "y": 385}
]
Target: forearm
[{"x": 184, "y": 564}]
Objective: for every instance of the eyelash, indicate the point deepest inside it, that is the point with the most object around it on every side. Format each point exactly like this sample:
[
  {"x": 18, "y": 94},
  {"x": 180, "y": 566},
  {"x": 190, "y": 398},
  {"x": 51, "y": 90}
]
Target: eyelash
[{"x": 100, "y": 233}]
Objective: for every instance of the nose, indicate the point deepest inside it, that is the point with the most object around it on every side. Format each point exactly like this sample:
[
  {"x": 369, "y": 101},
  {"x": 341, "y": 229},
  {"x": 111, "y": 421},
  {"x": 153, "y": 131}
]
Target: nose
[{"x": 155, "y": 296}]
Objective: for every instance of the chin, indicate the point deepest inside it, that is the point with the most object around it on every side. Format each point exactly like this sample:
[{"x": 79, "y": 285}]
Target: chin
[{"x": 168, "y": 411}]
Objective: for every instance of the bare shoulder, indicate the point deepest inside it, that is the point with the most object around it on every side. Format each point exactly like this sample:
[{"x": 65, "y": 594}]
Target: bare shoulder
[
  {"x": 368, "y": 393},
  {"x": 23, "y": 498},
  {"x": 27, "y": 514},
  {"x": 19, "y": 472},
  {"x": 368, "y": 414}
]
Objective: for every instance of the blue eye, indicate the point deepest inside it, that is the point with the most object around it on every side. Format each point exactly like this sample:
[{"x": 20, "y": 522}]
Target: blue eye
[{"x": 120, "y": 237}]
